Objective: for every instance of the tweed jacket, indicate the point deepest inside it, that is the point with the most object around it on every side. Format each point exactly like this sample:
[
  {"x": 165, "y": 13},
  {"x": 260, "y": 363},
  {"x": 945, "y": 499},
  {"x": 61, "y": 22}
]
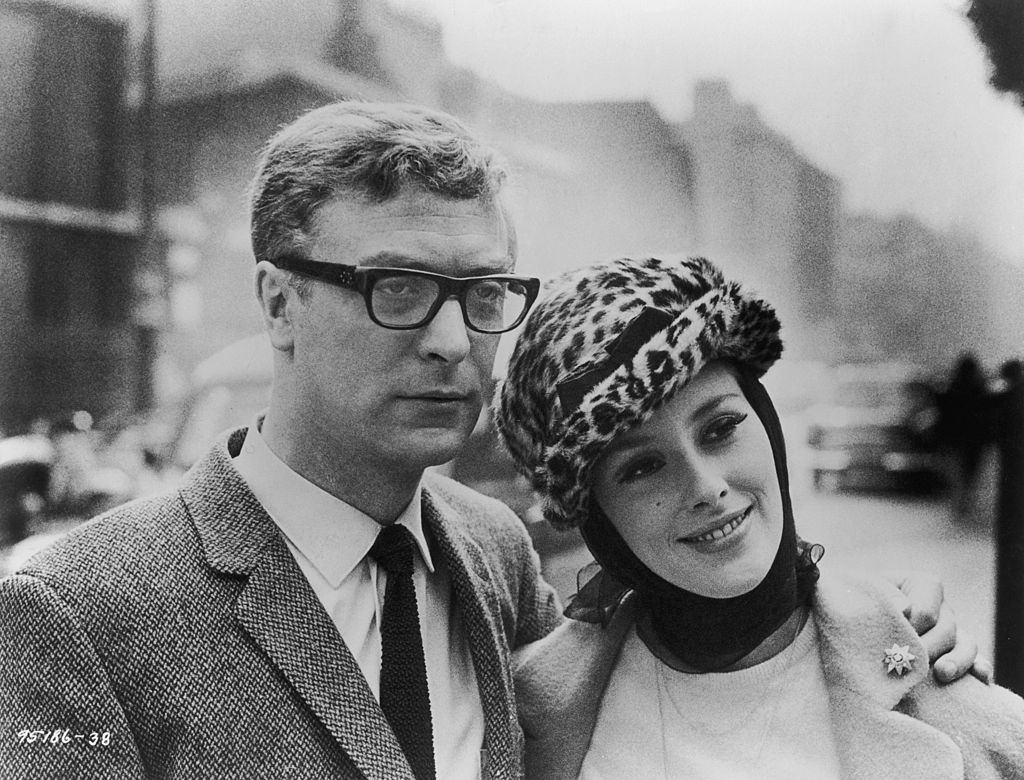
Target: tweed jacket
[
  {"x": 886, "y": 726},
  {"x": 177, "y": 637}
]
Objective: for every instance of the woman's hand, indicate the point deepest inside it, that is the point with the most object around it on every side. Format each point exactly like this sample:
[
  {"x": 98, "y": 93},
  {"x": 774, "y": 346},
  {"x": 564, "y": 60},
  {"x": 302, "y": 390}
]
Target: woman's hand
[{"x": 952, "y": 653}]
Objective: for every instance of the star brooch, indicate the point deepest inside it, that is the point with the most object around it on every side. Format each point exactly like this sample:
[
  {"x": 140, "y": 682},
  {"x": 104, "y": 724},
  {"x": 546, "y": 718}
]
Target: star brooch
[{"x": 899, "y": 659}]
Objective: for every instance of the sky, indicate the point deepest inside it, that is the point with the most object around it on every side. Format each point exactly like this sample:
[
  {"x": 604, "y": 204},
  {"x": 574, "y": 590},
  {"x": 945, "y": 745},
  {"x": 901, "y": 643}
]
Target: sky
[{"x": 891, "y": 96}]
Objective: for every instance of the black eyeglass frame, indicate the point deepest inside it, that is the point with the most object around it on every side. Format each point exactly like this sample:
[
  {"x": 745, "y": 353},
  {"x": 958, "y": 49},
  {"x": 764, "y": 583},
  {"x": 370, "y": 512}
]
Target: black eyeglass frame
[{"x": 362, "y": 278}]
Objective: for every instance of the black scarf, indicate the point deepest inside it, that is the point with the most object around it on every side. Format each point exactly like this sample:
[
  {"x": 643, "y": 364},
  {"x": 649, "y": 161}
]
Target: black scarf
[{"x": 709, "y": 633}]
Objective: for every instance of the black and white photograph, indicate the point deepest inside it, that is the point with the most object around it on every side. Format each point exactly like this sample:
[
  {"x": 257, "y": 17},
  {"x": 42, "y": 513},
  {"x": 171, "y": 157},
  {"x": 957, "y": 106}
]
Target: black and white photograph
[{"x": 484, "y": 389}]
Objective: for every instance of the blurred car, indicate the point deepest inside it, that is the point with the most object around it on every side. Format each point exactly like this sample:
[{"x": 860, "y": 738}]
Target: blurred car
[
  {"x": 876, "y": 431},
  {"x": 17, "y": 555},
  {"x": 225, "y": 390},
  {"x": 25, "y": 465},
  {"x": 58, "y": 474}
]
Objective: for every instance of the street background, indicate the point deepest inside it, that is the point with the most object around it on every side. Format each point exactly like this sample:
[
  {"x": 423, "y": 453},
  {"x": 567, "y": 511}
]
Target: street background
[{"x": 858, "y": 164}]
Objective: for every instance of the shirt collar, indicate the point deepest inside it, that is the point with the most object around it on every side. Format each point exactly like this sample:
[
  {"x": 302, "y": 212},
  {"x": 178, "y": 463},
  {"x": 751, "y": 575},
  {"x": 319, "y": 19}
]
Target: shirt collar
[{"x": 332, "y": 534}]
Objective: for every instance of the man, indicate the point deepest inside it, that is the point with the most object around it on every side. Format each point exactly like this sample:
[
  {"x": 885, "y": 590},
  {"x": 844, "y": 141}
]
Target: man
[
  {"x": 244, "y": 625},
  {"x": 232, "y": 628}
]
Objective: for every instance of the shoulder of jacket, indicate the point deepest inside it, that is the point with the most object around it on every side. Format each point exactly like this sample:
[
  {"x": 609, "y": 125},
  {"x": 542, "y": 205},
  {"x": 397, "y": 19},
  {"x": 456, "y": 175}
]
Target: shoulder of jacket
[
  {"x": 99, "y": 547},
  {"x": 470, "y": 506}
]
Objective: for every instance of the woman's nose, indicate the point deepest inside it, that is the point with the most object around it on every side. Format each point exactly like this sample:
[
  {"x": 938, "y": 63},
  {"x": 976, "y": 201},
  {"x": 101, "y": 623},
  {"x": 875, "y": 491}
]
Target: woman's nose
[{"x": 707, "y": 486}]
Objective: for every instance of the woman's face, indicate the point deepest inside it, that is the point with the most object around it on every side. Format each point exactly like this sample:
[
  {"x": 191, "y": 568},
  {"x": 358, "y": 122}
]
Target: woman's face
[{"x": 694, "y": 491}]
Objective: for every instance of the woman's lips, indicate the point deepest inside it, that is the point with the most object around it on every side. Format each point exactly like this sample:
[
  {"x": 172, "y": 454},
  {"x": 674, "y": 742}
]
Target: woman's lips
[{"x": 720, "y": 532}]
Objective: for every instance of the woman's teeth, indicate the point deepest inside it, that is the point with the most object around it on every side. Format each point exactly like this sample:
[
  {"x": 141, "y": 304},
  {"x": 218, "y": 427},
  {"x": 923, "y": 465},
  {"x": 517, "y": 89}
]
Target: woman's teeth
[{"x": 722, "y": 531}]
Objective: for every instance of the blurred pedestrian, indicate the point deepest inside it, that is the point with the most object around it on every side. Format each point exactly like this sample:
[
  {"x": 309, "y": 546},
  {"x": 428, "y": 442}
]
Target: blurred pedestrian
[{"x": 964, "y": 427}]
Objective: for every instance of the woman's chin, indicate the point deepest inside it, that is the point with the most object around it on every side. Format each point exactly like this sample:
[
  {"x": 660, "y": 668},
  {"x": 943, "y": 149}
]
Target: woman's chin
[{"x": 727, "y": 587}]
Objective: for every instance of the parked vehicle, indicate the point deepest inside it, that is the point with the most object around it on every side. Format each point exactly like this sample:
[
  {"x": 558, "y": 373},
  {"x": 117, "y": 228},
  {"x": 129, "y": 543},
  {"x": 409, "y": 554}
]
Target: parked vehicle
[
  {"x": 17, "y": 555},
  {"x": 876, "y": 431},
  {"x": 25, "y": 465},
  {"x": 53, "y": 478},
  {"x": 58, "y": 472},
  {"x": 225, "y": 390}
]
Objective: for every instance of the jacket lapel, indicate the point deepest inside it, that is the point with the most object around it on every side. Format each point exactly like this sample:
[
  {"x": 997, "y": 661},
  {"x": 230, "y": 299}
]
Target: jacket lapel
[
  {"x": 477, "y": 603},
  {"x": 282, "y": 615},
  {"x": 856, "y": 625}
]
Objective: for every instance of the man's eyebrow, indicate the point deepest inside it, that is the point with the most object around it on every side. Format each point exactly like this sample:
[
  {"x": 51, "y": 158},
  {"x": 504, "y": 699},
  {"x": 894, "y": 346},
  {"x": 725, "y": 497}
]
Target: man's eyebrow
[{"x": 390, "y": 259}]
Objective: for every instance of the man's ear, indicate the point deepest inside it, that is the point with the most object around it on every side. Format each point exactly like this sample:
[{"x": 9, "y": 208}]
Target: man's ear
[{"x": 278, "y": 300}]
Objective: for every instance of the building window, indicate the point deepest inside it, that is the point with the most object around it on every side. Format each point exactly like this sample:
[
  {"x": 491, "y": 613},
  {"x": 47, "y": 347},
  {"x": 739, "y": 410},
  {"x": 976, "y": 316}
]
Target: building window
[
  {"x": 63, "y": 125},
  {"x": 80, "y": 277}
]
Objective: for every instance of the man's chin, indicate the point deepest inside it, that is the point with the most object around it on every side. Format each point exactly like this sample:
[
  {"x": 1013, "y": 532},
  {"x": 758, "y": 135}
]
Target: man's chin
[{"x": 433, "y": 446}]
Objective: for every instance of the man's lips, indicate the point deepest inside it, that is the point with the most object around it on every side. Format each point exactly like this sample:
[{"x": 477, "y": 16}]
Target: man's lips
[
  {"x": 439, "y": 396},
  {"x": 720, "y": 528}
]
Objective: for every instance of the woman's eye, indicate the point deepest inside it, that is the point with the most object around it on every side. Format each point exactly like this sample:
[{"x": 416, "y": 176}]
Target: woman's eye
[
  {"x": 721, "y": 428},
  {"x": 638, "y": 469}
]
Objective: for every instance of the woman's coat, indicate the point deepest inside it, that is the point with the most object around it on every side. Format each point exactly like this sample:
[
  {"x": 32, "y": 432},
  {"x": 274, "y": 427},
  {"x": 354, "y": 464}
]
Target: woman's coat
[{"x": 886, "y": 726}]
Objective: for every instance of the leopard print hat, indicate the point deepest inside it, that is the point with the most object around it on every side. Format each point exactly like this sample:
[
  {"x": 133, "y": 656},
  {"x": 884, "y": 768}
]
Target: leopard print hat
[{"x": 603, "y": 349}]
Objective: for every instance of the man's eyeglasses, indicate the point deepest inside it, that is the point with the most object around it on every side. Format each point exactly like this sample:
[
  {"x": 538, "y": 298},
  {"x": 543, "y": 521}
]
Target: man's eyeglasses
[{"x": 403, "y": 299}]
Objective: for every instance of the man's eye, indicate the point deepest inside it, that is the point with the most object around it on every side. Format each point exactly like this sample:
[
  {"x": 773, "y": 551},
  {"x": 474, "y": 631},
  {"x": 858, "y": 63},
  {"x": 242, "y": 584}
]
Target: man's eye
[
  {"x": 721, "y": 428},
  {"x": 640, "y": 468},
  {"x": 395, "y": 287},
  {"x": 489, "y": 292}
]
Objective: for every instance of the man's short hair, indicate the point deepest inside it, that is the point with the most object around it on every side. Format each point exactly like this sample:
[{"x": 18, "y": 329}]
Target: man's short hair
[{"x": 369, "y": 151}]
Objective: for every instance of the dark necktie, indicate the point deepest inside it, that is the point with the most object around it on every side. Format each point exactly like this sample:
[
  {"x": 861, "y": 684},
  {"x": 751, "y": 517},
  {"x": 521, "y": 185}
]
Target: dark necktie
[{"x": 404, "y": 696}]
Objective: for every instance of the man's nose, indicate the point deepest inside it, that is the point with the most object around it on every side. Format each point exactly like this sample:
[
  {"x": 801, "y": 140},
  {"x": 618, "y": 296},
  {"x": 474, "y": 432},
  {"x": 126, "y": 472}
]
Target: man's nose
[{"x": 446, "y": 337}]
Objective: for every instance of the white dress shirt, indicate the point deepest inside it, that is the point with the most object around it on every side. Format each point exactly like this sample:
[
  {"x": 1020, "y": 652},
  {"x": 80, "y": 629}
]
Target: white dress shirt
[{"x": 330, "y": 540}]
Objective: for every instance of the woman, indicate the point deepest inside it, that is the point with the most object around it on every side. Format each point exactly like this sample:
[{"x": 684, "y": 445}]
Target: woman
[{"x": 707, "y": 646}]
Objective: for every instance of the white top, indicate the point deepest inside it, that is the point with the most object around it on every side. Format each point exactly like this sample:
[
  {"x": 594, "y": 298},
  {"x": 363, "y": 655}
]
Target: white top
[
  {"x": 330, "y": 540},
  {"x": 769, "y": 721}
]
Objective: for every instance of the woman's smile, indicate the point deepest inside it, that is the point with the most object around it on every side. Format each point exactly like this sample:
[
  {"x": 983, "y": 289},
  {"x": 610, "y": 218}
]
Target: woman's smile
[{"x": 719, "y": 533}]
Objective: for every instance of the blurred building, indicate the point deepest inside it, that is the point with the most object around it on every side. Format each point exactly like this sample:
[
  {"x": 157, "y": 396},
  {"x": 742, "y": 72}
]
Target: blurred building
[
  {"x": 925, "y": 296},
  {"x": 210, "y": 135},
  {"x": 596, "y": 179},
  {"x": 215, "y": 118},
  {"x": 591, "y": 180},
  {"x": 70, "y": 219},
  {"x": 98, "y": 303},
  {"x": 767, "y": 212}
]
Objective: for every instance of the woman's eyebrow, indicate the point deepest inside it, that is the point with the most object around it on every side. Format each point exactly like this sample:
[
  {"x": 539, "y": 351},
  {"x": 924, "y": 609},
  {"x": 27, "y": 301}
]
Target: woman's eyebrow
[
  {"x": 629, "y": 440},
  {"x": 711, "y": 404},
  {"x": 634, "y": 438}
]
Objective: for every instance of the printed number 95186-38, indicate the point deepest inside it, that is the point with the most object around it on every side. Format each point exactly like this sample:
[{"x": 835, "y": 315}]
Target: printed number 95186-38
[{"x": 63, "y": 737}]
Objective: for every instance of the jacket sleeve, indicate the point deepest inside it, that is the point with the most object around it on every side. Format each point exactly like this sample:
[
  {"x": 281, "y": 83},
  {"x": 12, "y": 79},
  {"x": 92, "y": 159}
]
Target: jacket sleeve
[
  {"x": 59, "y": 716},
  {"x": 985, "y": 721},
  {"x": 539, "y": 611}
]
